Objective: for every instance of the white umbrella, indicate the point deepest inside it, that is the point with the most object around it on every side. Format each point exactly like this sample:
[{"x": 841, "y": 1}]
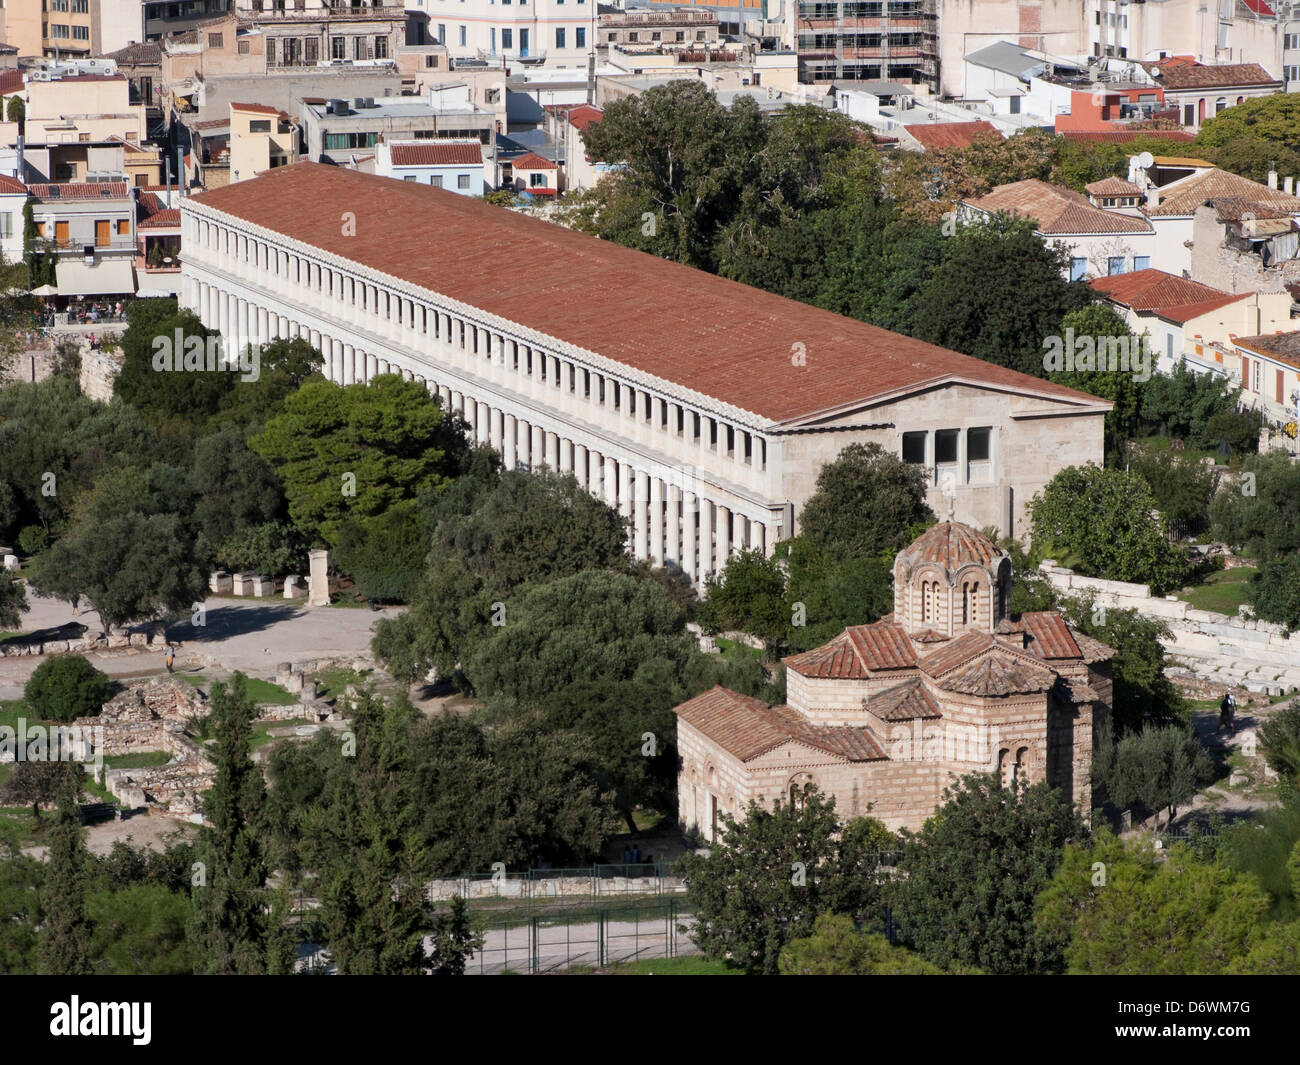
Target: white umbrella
[{"x": 45, "y": 290}]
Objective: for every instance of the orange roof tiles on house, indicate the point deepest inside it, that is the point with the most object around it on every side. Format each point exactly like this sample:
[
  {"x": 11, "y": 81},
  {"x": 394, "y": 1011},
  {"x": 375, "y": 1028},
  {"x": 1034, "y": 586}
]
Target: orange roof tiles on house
[
  {"x": 857, "y": 652},
  {"x": 1124, "y": 136},
  {"x": 957, "y": 653},
  {"x": 1179, "y": 73},
  {"x": 939, "y": 135},
  {"x": 1178, "y": 299},
  {"x": 1112, "y": 186},
  {"x": 167, "y": 218},
  {"x": 533, "y": 161},
  {"x": 1284, "y": 347},
  {"x": 1183, "y": 197},
  {"x": 950, "y": 544},
  {"x": 580, "y": 117},
  {"x": 11, "y": 185},
  {"x": 80, "y": 190},
  {"x": 437, "y": 153},
  {"x": 261, "y": 109},
  {"x": 1057, "y": 210},
  {"x": 721, "y": 339}
]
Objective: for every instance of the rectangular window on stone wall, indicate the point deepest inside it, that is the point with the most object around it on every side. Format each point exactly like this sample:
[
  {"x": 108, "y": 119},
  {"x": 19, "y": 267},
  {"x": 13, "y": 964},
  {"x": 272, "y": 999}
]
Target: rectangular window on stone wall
[
  {"x": 914, "y": 447},
  {"x": 945, "y": 446}
]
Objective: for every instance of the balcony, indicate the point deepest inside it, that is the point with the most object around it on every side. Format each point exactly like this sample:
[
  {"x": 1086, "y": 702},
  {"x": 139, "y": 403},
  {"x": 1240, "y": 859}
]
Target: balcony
[{"x": 349, "y": 13}]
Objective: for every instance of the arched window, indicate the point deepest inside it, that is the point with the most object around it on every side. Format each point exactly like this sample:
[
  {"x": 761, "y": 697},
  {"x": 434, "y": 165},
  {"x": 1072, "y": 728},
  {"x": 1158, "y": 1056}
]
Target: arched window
[
  {"x": 965, "y": 602},
  {"x": 1005, "y": 768},
  {"x": 971, "y": 611},
  {"x": 1021, "y": 769}
]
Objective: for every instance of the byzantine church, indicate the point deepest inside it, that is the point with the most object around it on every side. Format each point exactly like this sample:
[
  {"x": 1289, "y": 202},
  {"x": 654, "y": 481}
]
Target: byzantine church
[{"x": 885, "y": 716}]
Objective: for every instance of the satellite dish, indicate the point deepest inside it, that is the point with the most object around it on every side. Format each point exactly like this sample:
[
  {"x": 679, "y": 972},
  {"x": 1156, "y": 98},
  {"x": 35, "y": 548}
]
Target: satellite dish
[{"x": 1145, "y": 160}]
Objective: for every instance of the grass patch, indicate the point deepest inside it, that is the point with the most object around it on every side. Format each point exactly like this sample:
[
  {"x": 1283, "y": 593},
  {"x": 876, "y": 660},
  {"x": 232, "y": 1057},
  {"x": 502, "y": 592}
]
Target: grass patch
[
  {"x": 688, "y": 966},
  {"x": 331, "y": 682},
  {"x": 1222, "y": 592},
  {"x": 142, "y": 760},
  {"x": 1193, "y": 454},
  {"x": 10, "y": 711},
  {"x": 262, "y": 730},
  {"x": 260, "y": 691},
  {"x": 736, "y": 651}
]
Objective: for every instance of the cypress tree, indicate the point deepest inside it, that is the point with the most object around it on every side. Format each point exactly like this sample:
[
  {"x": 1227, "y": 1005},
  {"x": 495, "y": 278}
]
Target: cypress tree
[
  {"x": 65, "y": 935},
  {"x": 230, "y": 928}
]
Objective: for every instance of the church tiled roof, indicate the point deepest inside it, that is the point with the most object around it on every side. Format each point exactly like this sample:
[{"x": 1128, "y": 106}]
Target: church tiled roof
[
  {"x": 951, "y": 544},
  {"x": 1049, "y": 636},
  {"x": 957, "y": 653},
  {"x": 856, "y": 653},
  {"x": 747, "y": 727},
  {"x": 999, "y": 674},
  {"x": 906, "y": 702}
]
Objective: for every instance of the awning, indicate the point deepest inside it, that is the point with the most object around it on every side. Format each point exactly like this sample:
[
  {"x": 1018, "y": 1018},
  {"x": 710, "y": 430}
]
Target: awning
[{"x": 111, "y": 277}]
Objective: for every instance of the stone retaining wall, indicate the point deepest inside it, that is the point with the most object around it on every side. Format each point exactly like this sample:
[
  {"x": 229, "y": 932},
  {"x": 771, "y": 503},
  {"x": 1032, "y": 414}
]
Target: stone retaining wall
[
  {"x": 553, "y": 887},
  {"x": 1237, "y": 650}
]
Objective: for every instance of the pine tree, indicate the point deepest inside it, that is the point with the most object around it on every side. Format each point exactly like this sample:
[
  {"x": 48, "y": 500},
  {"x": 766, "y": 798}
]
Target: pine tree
[
  {"x": 65, "y": 937},
  {"x": 454, "y": 939},
  {"x": 231, "y": 926}
]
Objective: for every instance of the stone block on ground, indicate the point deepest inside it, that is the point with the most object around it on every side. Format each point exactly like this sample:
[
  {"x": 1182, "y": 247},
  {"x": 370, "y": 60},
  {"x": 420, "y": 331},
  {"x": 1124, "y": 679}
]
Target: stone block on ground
[
  {"x": 221, "y": 582},
  {"x": 242, "y": 584}
]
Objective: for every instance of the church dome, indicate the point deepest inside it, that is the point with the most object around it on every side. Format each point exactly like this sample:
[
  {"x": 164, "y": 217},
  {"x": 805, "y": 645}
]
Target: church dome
[
  {"x": 951, "y": 545},
  {"x": 949, "y": 580}
]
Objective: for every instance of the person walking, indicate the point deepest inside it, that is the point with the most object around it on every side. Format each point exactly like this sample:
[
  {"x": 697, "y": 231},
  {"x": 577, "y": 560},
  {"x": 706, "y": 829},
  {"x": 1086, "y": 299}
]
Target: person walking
[
  {"x": 171, "y": 657},
  {"x": 1227, "y": 709}
]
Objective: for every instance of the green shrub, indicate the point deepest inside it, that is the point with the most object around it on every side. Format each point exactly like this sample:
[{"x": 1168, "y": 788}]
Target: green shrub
[{"x": 66, "y": 688}]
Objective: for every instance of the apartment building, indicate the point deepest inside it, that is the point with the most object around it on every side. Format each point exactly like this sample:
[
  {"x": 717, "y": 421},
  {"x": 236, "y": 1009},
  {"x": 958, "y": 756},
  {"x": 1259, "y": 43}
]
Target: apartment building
[
  {"x": 92, "y": 225},
  {"x": 866, "y": 40},
  {"x": 455, "y": 165},
  {"x": 261, "y": 138}
]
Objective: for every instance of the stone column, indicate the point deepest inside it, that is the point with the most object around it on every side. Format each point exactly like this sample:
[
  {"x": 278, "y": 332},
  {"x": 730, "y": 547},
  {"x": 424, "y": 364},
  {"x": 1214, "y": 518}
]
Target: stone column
[
  {"x": 524, "y": 448},
  {"x": 372, "y": 366},
  {"x": 566, "y": 456},
  {"x": 318, "y": 583},
  {"x": 673, "y": 524},
  {"x": 657, "y": 520},
  {"x": 737, "y": 531},
  {"x": 706, "y": 538},
  {"x": 537, "y": 448},
  {"x": 771, "y": 536},
  {"x": 553, "y": 450},
  {"x": 722, "y": 551},
  {"x": 611, "y": 482},
  {"x": 481, "y": 423},
  {"x": 756, "y": 537},
  {"x": 596, "y": 474},
  {"x": 625, "y": 482},
  {"x": 509, "y": 452},
  {"x": 640, "y": 515},
  {"x": 496, "y": 430},
  {"x": 580, "y": 463},
  {"x": 688, "y": 559}
]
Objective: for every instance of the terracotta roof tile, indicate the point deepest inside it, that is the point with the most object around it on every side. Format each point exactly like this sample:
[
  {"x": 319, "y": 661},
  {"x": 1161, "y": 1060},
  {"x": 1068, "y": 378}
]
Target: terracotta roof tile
[
  {"x": 1184, "y": 75},
  {"x": 882, "y": 646},
  {"x": 1049, "y": 635},
  {"x": 438, "y": 153},
  {"x": 1184, "y": 196},
  {"x": 1112, "y": 186},
  {"x": 960, "y": 651},
  {"x": 950, "y": 134},
  {"x": 837, "y": 658},
  {"x": 11, "y": 185},
  {"x": 1285, "y": 347},
  {"x": 533, "y": 161},
  {"x": 1124, "y": 136},
  {"x": 81, "y": 190},
  {"x": 906, "y": 702},
  {"x": 1178, "y": 299},
  {"x": 998, "y": 675},
  {"x": 1057, "y": 210},
  {"x": 747, "y": 728},
  {"x": 950, "y": 544},
  {"x": 717, "y": 337},
  {"x": 1091, "y": 650}
]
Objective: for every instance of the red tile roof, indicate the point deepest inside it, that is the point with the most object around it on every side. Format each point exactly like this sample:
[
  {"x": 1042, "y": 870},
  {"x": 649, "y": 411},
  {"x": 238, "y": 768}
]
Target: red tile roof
[
  {"x": 1175, "y": 298},
  {"x": 999, "y": 675},
  {"x": 1124, "y": 136},
  {"x": 957, "y": 653},
  {"x": 261, "y": 109},
  {"x": 699, "y": 331},
  {"x": 1182, "y": 197},
  {"x": 1057, "y": 210},
  {"x": 1284, "y": 347},
  {"x": 747, "y": 727},
  {"x": 1177, "y": 73},
  {"x": 167, "y": 218},
  {"x": 950, "y": 544},
  {"x": 857, "y": 652},
  {"x": 906, "y": 702},
  {"x": 81, "y": 190},
  {"x": 11, "y": 185},
  {"x": 950, "y": 134},
  {"x": 533, "y": 161},
  {"x": 438, "y": 153},
  {"x": 1050, "y": 636},
  {"x": 1112, "y": 186},
  {"x": 580, "y": 117}
]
